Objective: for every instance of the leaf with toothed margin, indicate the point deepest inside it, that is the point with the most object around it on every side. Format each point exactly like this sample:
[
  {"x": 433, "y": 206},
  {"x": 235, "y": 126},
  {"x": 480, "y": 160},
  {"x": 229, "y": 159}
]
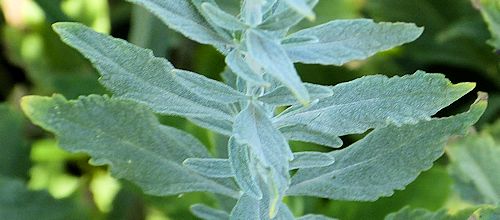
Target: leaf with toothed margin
[
  {"x": 375, "y": 102},
  {"x": 127, "y": 137},
  {"x": 131, "y": 72},
  {"x": 385, "y": 160},
  {"x": 341, "y": 41}
]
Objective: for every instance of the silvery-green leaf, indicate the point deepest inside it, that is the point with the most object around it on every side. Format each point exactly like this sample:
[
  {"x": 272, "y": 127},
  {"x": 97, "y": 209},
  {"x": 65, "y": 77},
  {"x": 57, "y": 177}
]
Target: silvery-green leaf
[
  {"x": 182, "y": 16},
  {"x": 311, "y": 160},
  {"x": 284, "y": 213},
  {"x": 300, "y": 39},
  {"x": 285, "y": 17},
  {"x": 132, "y": 72},
  {"x": 253, "y": 128},
  {"x": 302, "y": 8},
  {"x": 341, "y": 41},
  {"x": 377, "y": 101},
  {"x": 474, "y": 165},
  {"x": 222, "y": 18},
  {"x": 208, "y": 213},
  {"x": 271, "y": 56},
  {"x": 240, "y": 67},
  {"x": 306, "y": 134},
  {"x": 242, "y": 167},
  {"x": 127, "y": 137},
  {"x": 210, "y": 167},
  {"x": 314, "y": 217},
  {"x": 282, "y": 96},
  {"x": 246, "y": 208},
  {"x": 385, "y": 160},
  {"x": 252, "y": 11},
  {"x": 208, "y": 88}
]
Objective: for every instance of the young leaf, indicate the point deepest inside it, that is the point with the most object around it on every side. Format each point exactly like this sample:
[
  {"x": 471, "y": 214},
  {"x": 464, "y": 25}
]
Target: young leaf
[
  {"x": 285, "y": 18},
  {"x": 207, "y": 213},
  {"x": 240, "y": 67},
  {"x": 282, "y": 96},
  {"x": 131, "y": 72},
  {"x": 474, "y": 165},
  {"x": 222, "y": 18},
  {"x": 128, "y": 138},
  {"x": 242, "y": 168},
  {"x": 310, "y": 160},
  {"x": 306, "y": 134},
  {"x": 385, "y": 160},
  {"x": 341, "y": 41},
  {"x": 209, "y": 167},
  {"x": 377, "y": 101},
  {"x": 208, "y": 88},
  {"x": 302, "y": 8},
  {"x": 17, "y": 202},
  {"x": 252, "y": 11},
  {"x": 272, "y": 57},
  {"x": 246, "y": 208},
  {"x": 182, "y": 16}
]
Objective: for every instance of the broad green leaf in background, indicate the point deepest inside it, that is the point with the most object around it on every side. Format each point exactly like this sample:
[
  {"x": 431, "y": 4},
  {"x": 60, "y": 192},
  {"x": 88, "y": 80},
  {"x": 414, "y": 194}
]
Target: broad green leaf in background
[
  {"x": 147, "y": 153},
  {"x": 17, "y": 202},
  {"x": 132, "y": 72},
  {"x": 14, "y": 159},
  {"x": 272, "y": 57},
  {"x": 341, "y": 41},
  {"x": 387, "y": 159},
  {"x": 490, "y": 9},
  {"x": 475, "y": 161},
  {"x": 423, "y": 214},
  {"x": 377, "y": 101},
  {"x": 183, "y": 17}
]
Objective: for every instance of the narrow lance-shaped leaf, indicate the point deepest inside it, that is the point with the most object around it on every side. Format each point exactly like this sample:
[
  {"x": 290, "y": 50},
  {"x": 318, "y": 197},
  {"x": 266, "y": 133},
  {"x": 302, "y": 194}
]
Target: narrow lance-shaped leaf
[
  {"x": 182, "y": 16},
  {"x": 132, "y": 72},
  {"x": 271, "y": 56},
  {"x": 210, "y": 167},
  {"x": 246, "y": 208},
  {"x": 285, "y": 17},
  {"x": 240, "y": 67},
  {"x": 208, "y": 88},
  {"x": 243, "y": 168},
  {"x": 128, "y": 138},
  {"x": 341, "y": 41},
  {"x": 306, "y": 134},
  {"x": 302, "y": 8},
  {"x": 303, "y": 160},
  {"x": 207, "y": 213},
  {"x": 385, "y": 160},
  {"x": 474, "y": 165},
  {"x": 222, "y": 18},
  {"x": 376, "y": 101},
  {"x": 252, "y": 11},
  {"x": 282, "y": 96}
]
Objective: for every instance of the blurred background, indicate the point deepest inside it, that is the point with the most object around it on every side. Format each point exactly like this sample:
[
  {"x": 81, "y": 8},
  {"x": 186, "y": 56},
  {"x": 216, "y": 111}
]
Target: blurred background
[{"x": 460, "y": 41}]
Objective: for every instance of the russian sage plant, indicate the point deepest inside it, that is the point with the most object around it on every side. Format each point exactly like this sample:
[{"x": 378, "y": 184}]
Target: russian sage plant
[{"x": 261, "y": 107}]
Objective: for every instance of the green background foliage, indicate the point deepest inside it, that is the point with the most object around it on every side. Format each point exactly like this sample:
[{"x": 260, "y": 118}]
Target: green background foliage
[{"x": 40, "y": 180}]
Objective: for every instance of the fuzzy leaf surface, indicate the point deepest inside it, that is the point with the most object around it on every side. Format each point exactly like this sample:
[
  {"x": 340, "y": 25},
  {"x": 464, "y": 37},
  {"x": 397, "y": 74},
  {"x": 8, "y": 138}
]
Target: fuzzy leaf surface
[
  {"x": 183, "y": 17},
  {"x": 207, "y": 213},
  {"x": 131, "y": 72},
  {"x": 341, "y": 41},
  {"x": 127, "y": 137},
  {"x": 387, "y": 159},
  {"x": 374, "y": 102}
]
